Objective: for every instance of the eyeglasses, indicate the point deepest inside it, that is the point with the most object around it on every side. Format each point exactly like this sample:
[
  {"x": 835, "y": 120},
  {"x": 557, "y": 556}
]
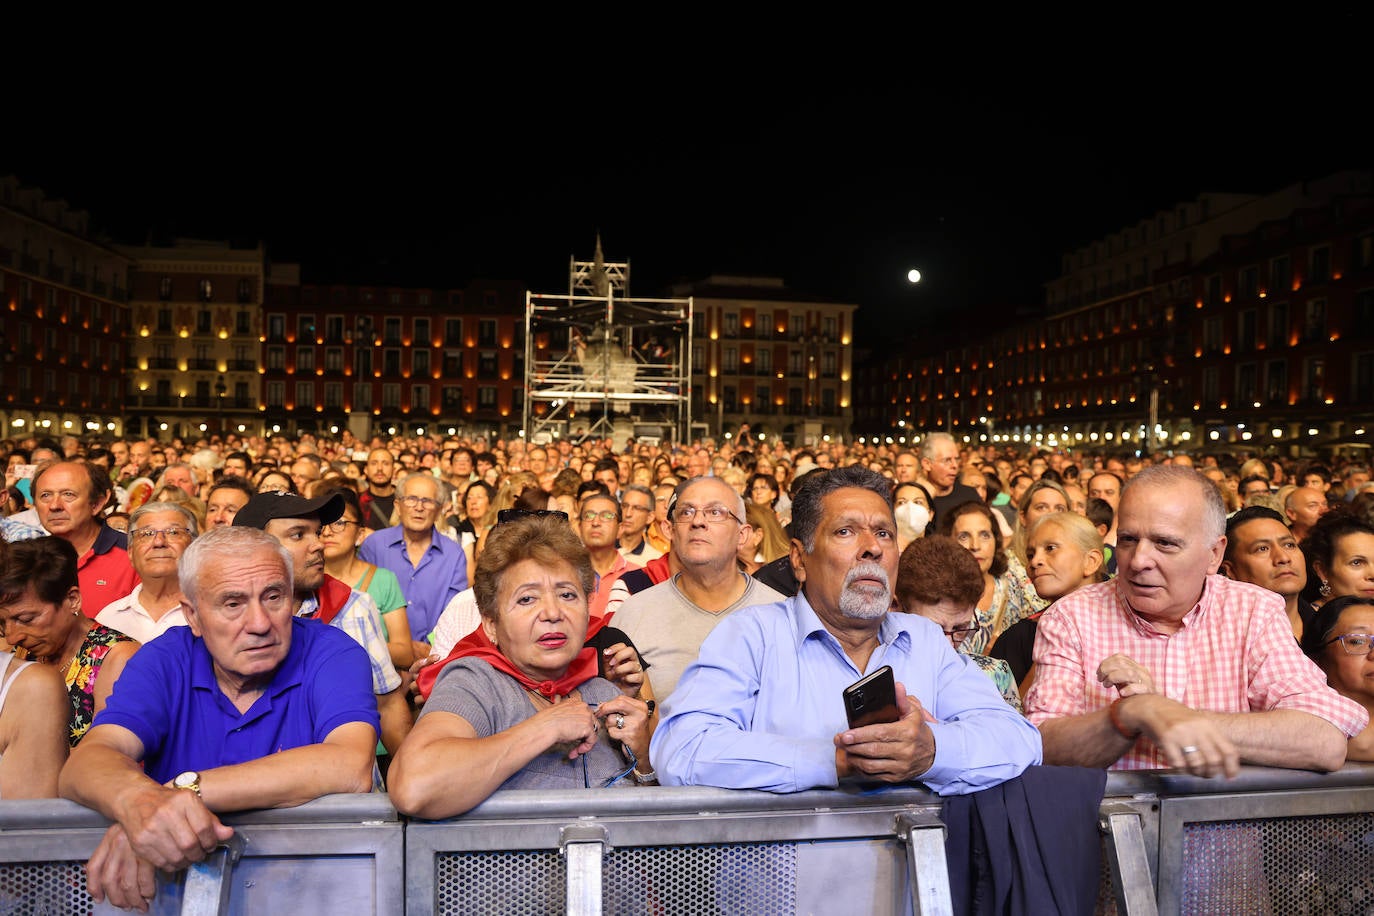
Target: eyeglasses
[
  {"x": 957, "y": 634},
  {"x": 631, "y": 507},
  {"x": 1354, "y": 643},
  {"x": 171, "y": 533},
  {"x": 591, "y": 515},
  {"x": 510, "y": 515},
  {"x": 411, "y": 502},
  {"x": 339, "y": 527},
  {"x": 612, "y": 780},
  {"x": 713, "y": 514}
]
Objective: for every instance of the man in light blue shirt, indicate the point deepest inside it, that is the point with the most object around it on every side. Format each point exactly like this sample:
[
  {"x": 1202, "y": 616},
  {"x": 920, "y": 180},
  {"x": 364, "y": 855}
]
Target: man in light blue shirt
[{"x": 761, "y": 707}]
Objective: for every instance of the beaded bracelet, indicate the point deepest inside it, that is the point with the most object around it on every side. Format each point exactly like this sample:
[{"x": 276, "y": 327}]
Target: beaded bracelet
[{"x": 1116, "y": 721}]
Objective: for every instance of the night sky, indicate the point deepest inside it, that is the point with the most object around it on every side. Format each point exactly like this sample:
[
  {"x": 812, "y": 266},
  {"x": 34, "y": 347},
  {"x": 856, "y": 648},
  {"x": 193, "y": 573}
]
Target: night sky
[{"x": 838, "y": 184}]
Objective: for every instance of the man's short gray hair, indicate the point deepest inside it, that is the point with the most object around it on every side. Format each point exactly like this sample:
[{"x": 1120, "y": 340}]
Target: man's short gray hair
[
  {"x": 1171, "y": 475},
  {"x": 928, "y": 444},
  {"x": 228, "y": 541},
  {"x": 187, "y": 516},
  {"x": 806, "y": 503}
]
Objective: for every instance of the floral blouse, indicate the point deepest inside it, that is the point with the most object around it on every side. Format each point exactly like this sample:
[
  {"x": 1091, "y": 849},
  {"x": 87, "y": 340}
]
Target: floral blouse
[{"x": 81, "y": 676}]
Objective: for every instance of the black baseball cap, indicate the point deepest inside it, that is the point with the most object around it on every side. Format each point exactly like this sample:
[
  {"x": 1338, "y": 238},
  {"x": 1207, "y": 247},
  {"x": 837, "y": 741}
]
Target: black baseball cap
[{"x": 264, "y": 507}]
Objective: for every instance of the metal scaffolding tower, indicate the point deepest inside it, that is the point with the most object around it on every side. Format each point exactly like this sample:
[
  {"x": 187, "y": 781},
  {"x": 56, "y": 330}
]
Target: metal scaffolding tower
[{"x": 622, "y": 366}]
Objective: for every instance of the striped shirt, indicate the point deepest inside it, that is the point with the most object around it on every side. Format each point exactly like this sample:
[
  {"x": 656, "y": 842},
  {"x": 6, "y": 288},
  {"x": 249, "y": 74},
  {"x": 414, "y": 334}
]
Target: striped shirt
[{"x": 1234, "y": 652}]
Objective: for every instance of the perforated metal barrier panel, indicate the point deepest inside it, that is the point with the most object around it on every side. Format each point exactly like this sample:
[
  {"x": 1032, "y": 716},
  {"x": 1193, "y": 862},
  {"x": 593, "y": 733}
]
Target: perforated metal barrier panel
[
  {"x": 660, "y": 880},
  {"x": 1268, "y": 842},
  {"x": 44, "y": 889},
  {"x": 1290, "y": 866}
]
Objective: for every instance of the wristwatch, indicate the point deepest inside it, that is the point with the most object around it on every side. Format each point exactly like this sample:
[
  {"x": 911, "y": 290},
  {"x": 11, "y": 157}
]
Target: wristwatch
[
  {"x": 645, "y": 779},
  {"x": 188, "y": 780}
]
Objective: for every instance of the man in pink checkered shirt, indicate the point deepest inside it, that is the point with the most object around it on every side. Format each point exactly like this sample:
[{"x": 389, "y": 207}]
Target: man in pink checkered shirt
[{"x": 1172, "y": 665}]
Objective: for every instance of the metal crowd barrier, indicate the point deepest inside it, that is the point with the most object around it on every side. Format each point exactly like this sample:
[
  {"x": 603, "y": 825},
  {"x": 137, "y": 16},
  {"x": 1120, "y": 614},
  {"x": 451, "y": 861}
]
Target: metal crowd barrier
[
  {"x": 1269, "y": 841},
  {"x": 341, "y": 854}
]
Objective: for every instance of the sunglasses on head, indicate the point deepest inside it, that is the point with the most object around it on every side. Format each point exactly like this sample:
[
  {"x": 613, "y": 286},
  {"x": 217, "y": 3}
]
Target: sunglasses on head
[{"x": 510, "y": 515}]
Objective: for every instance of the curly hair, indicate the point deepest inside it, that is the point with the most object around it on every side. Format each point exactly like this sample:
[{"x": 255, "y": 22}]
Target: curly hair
[
  {"x": 548, "y": 540},
  {"x": 935, "y": 568}
]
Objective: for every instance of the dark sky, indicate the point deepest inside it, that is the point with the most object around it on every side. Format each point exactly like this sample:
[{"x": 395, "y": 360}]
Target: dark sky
[{"x": 981, "y": 176}]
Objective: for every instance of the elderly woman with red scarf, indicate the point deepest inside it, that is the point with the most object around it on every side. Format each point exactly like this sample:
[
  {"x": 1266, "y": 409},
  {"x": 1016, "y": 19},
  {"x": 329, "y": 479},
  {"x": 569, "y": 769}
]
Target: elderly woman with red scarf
[{"x": 519, "y": 703}]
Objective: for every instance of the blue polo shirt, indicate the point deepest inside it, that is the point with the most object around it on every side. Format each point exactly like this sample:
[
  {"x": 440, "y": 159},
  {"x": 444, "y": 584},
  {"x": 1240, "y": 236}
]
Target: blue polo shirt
[
  {"x": 167, "y": 695},
  {"x": 442, "y": 573}
]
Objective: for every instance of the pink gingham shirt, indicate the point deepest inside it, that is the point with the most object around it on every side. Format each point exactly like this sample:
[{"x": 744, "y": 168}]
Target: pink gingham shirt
[{"x": 1235, "y": 652}]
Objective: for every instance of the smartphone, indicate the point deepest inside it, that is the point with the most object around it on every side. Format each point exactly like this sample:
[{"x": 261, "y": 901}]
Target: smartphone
[
  {"x": 24, "y": 471},
  {"x": 872, "y": 700}
]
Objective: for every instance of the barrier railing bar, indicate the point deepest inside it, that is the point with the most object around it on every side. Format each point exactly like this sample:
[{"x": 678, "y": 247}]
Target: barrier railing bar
[
  {"x": 1129, "y": 861},
  {"x": 205, "y": 891},
  {"x": 583, "y": 846},
  {"x": 924, "y": 835}
]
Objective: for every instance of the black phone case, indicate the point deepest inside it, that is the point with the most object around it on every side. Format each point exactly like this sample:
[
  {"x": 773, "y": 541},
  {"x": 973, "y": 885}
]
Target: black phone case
[{"x": 872, "y": 699}]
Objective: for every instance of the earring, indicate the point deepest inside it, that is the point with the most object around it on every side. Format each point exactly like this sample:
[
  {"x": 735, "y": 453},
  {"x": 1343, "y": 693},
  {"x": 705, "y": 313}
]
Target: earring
[{"x": 1325, "y": 590}]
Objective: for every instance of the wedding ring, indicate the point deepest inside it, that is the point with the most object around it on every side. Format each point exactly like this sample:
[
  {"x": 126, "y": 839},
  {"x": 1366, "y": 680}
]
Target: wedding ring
[
  {"x": 1188, "y": 749},
  {"x": 620, "y": 721}
]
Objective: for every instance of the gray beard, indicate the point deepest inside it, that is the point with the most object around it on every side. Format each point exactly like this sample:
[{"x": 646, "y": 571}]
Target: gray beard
[{"x": 863, "y": 603}]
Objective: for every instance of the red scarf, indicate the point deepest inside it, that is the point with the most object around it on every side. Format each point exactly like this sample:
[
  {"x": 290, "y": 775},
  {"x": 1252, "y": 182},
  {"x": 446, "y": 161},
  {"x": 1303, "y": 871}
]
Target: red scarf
[{"x": 476, "y": 645}]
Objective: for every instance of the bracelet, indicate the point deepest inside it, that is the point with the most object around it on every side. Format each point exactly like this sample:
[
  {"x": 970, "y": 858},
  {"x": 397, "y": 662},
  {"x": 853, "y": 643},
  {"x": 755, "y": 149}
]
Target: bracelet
[
  {"x": 1116, "y": 721},
  {"x": 644, "y": 779}
]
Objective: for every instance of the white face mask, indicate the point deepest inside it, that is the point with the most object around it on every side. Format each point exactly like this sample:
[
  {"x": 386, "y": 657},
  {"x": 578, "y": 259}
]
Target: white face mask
[{"x": 912, "y": 519}]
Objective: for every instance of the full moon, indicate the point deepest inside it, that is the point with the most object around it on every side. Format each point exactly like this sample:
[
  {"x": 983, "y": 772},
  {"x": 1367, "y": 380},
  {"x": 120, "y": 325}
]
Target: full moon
[{"x": 913, "y": 276}]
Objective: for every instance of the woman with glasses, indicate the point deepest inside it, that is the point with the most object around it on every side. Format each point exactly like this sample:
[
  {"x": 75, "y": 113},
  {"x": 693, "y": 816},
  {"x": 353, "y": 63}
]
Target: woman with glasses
[
  {"x": 42, "y": 620},
  {"x": 938, "y": 578},
  {"x": 341, "y": 541},
  {"x": 1003, "y": 600},
  {"x": 522, "y": 702},
  {"x": 1339, "y": 639}
]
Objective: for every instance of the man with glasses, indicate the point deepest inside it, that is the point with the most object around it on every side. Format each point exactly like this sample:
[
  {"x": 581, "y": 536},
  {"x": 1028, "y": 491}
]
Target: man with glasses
[
  {"x": 598, "y": 523},
  {"x": 668, "y": 621},
  {"x": 158, "y": 534},
  {"x": 71, "y": 497},
  {"x": 940, "y": 464},
  {"x": 431, "y": 568},
  {"x": 637, "y": 509},
  {"x": 296, "y": 522}
]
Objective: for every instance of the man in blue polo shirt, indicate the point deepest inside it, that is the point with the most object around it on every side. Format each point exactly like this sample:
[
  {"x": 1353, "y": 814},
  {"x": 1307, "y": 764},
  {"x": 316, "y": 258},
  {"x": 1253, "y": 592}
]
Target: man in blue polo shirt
[
  {"x": 246, "y": 707},
  {"x": 431, "y": 567}
]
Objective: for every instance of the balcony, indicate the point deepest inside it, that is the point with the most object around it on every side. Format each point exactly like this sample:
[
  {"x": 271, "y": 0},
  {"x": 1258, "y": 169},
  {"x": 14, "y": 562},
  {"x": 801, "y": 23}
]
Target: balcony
[
  {"x": 202, "y": 365},
  {"x": 56, "y": 274},
  {"x": 162, "y": 362},
  {"x": 78, "y": 280},
  {"x": 242, "y": 365}
]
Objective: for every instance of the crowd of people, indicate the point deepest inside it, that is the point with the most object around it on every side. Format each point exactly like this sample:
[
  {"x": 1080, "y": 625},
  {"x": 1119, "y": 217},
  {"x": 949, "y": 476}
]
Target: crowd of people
[{"x": 193, "y": 628}]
